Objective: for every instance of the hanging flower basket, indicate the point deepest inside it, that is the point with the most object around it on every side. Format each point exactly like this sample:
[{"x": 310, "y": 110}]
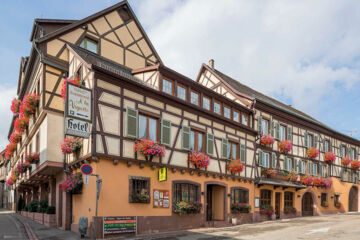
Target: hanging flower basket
[
  {"x": 15, "y": 106},
  {"x": 15, "y": 137},
  {"x": 21, "y": 168},
  {"x": 266, "y": 210},
  {"x": 355, "y": 164},
  {"x": 32, "y": 158},
  {"x": 293, "y": 177},
  {"x": 9, "y": 181},
  {"x": 235, "y": 166},
  {"x": 267, "y": 140},
  {"x": 319, "y": 182},
  {"x": 289, "y": 210},
  {"x": 329, "y": 157},
  {"x": 269, "y": 172},
  {"x": 74, "y": 80},
  {"x": 149, "y": 149},
  {"x": 240, "y": 208},
  {"x": 198, "y": 159},
  {"x": 71, "y": 145},
  {"x": 21, "y": 123},
  {"x": 188, "y": 207},
  {"x": 73, "y": 184},
  {"x": 328, "y": 183},
  {"x": 345, "y": 161},
  {"x": 10, "y": 149},
  {"x": 312, "y": 153},
  {"x": 307, "y": 180},
  {"x": 285, "y": 146},
  {"x": 29, "y": 104}
]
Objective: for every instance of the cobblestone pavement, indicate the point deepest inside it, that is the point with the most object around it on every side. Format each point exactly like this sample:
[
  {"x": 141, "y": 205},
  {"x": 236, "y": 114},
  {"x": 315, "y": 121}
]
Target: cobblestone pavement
[{"x": 339, "y": 226}]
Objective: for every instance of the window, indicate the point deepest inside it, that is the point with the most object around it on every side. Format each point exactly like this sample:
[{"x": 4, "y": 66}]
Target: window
[
  {"x": 181, "y": 92},
  {"x": 197, "y": 141},
  {"x": 323, "y": 199},
  {"x": 265, "y": 126},
  {"x": 89, "y": 45},
  {"x": 186, "y": 192},
  {"x": 266, "y": 162},
  {"x": 139, "y": 189},
  {"x": 206, "y": 103},
  {"x": 336, "y": 199},
  {"x": 167, "y": 86},
  {"x": 288, "y": 199},
  {"x": 322, "y": 170},
  {"x": 310, "y": 140},
  {"x": 326, "y": 146},
  {"x": 282, "y": 133},
  {"x": 288, "y": 164},
  {"x": 233, "y": 150},
  {"x": 217, "y": 108},
  {"x": 236, "y": 116},
  {"x": 342, "y": 151},
  {"x": 37, "y": 143},
  {"x": 227, "y": 112},
  {"x": 147, "y": 128},
  {"x": 239, "y": 195},
  {"x": 265, "y": 197},
  {"x": 314, "y": 169},
  {"x": 245, "y": 119},
  {"x": 352, "y": 153},
  {"x": 194, "y": 98}
]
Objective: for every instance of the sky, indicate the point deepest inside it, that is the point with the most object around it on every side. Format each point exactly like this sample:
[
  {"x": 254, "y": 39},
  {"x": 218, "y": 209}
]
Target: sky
[{"x": 304, "y": 53}]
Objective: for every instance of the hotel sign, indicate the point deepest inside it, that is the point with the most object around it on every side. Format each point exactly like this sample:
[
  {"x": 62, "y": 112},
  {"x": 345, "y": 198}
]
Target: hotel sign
[
  {"x": 78, "y": 128},
  {"x": 78, "y": 102}
]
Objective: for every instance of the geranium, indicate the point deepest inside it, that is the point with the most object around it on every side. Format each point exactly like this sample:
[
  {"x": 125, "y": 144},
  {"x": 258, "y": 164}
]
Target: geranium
[
  {"x": 71, "y": 145},
  {"x": 285, "y": 146},
  {"x": 319, "y": 182},
  {"x": 355, "y": 164},
  {"x": 29, "y": 104},
  {"x": 312, "y": 152},
  {"x": 328, "y": 183},
  {"x": 9, "y": 181},
  {"x": 235, "y": 166},
  {"x": 329, "y": 157},
  {"x": 10, "y": 149},
  {"x": 345, "y": 161},
  {"x": 266, "y": 209},
  {"x": 337, "y": 205},
  {"x": 240, "y": 208},
  {"x": 289, "y": 209},
  {"x": 269, "y": 172},
  {"x": 15, "y": 137},
  {"x": 267, "y": 140},
  {"x": 150, "y": 148},
  {"x": 32, "y": 158},
  {"x": 307, "y": 180},
  {"x": 21, "y": 123},
  {"x": 199, "y": 159},
  {"x": 72, "y": 183},
  {"x": 74, "y": 80},
  {"x": 188, "y": 207},
  {"x": 15, "y": 105},
  {"x": 293, "y": 176}
]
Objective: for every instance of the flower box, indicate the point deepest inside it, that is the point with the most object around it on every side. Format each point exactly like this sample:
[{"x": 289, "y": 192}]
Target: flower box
[
  {"x": 198, "y": 159},
  {"x": 235, "y": 166},
  {"x": 71, "y": 145},
  {"x": 74, "y": 80},
  {"x": 337, "y": 205},
  {"x": 312, "y": 153},
  {"x": 329, "y": 157},
  {"x": 188, "y": 207},
  {"x": 355, "y": 165},
  {"x": 267, "y": 140},
  {"x": 285, "y": 146},
  {"x": 21, "y": 123},
  {"x": 289, "y": 210},
  {"x": 269, "y": 172},
  {"x": 15, "y": 106},
  {"x": 307, "y": 180},
  {"x": 73, "y": 184},
  {"x": 324, "y": 204},
  {"x": 345, "y": 161},
  {"x": 240, "y": 208},
  {"x": 149, "y": 149},
  {"x": 29, "y": 104},
  {"x": 32, "y": 158},
  {"x": 293, "y": 177},
  {"x": 267, "y": 210}
]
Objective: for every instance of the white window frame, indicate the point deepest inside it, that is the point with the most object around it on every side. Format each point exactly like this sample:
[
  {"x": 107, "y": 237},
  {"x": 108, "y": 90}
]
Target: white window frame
[
  {"x": 266, "y": 162},
  {"x": 167, "y": 86},
  {"x": 282, "y": 135},
  {"x": 264, "y": 126}
]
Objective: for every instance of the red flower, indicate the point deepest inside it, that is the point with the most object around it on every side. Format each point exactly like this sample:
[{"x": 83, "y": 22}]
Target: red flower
[
  {"x": 235, "y": 166},
  {"x": 73, "y": 80},
  {"x": 267, "y": 140},
  {"x": 15, "y": 105},
  {"x": 15, "y": 137},
  {"x": 199, "y": 159},
  {"x": 29, "y": 104},
  {"x": 312, "y": 153},
  {"x": 285, "y": 146},
  {"x": 329, "y": 157},
  {"x": 355, "y": 164},
  {"x": 21, "y": 123},
  {"x": 149, "y": 148},
  {"x": 345, "y": 161}
]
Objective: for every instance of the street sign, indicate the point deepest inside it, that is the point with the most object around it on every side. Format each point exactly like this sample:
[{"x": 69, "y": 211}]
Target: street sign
[
  {"x": 78, "y": 102},
  {"x": 86, "y": 169},
  {"x": 86, "y": 179},
  {"x": 162, "y": 174},
  {"x": 77, "y": 127}
]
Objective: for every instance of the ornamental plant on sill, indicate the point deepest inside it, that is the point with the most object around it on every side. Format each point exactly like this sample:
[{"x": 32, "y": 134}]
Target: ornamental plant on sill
[
  {"x": 312, "y": 153},
  {"x": 32, "y": 158},
  {"x": 142, "y": 197},
  {"x": 285, "y": 146},
  {"x": 73, "y": 184},
  {"x": 74, "y": 80},
  {"x": 328, "y": 183},
  {"x": 10, "y": 149},
  {"x": 319, "y": 182},
  {"x": 149, "y": 149},
  {"x": 71, "y": 145},
  {"x": 15, "y": 106},
  {"x": 198, "y": 159},
  {"x": 267, "y": 140},
  {"x": 240, "y": 208},
  {"x": 307, "y": 180},
  {"x": 269, "y": 172},
  {"x": 355, "y": 164},
  {"x": 293, "y": 177},
  {"x": 22, "y": 167},
  {"x": 15, "y": 137},
  {"x": 329, "y": 157},
  {"x": 345, "y": 161},
  {"x": 21, "y": 123},
  {"x": 324, "y": 204},
  {"x": 235, "y": 166},
  {"x": 267, "y": 210},
  {"x": 188, "y": 207},
  {"x": 289, "y": 210},
  {"x": 29, "y": 104},
  {"x": 337, "y": 205}
]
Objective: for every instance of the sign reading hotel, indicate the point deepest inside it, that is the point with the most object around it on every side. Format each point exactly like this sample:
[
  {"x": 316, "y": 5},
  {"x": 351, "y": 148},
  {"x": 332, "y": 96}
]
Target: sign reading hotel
[
  {"x": 78, "y": 102},
  {"x": 116, "y": 225},
  {"x": 78, "y": 128}
]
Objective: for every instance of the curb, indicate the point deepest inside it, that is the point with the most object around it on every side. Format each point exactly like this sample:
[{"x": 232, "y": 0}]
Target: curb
[{"x": 29, "y": 231}]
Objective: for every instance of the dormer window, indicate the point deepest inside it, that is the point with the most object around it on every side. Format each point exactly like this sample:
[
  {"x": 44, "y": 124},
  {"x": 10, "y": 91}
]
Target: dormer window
[{"x": 90, "y": 45}]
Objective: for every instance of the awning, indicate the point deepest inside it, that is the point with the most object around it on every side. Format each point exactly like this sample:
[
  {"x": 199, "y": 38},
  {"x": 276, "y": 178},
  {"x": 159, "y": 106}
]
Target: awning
[{"x": 278, "y": 183}]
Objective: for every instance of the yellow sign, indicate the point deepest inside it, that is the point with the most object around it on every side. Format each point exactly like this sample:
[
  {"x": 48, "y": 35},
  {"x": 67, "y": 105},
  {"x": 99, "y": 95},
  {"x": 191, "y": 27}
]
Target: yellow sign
[{"x": 162, "y": 174}]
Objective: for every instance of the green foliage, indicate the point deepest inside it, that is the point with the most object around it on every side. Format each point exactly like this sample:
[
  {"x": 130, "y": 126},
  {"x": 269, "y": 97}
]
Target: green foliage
[
  {"x": 33, "y": 206},
  {"x": 50, "y": 210},
  {"x": 43, "y": 205},
  {"x": 21, "y": 204},
  {"x": 188, "y": 207}
]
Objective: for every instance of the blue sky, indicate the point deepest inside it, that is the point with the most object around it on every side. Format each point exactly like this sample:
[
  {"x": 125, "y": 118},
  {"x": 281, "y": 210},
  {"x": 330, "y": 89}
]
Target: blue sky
[{"x": 304, "y": 53}]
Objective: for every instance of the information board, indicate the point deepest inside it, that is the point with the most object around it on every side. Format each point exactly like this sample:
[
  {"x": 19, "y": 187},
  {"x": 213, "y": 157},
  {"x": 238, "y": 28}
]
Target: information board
[
  {"x": 78, "y": 102},
  {"x": 118, "y": 225},
  {"x": 161, "y": 198}
]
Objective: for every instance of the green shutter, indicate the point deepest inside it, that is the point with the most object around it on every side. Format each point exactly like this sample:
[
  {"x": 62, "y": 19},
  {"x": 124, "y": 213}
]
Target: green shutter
[
  {"x": 328, "y": 171},
  {"x": 277, "y": 130},
  {"x": 296, "y": 165},
  {"x": 320, "y": 170},
  {"x": 323, "y": 145},
  {"x": 165, "y": 132},
  {"x": 330, "y": 146},
  {"x": 260, "y": 158},
  {"x": 272, "y": 128},
  {"x": 242, "y": 152},
  {"x": 309, "y": 171},
  {"x": 285, "y": 164},
  {"x": 259, "y": 119},
  {"x": 185, "y": 143},
  {"x": 132, "y": 122},
  {"x": 342, "y": 174},
  {"x": 273, "y": 160},
  {"x": 289, "y": 133},
  {"x": 210, "y": 144},
  {"x": 305, "y": 139},
  {"x": 224, "y": 148},
  {"x": 348, "y": 152},
  {"x": 300, "y": 170},
  {"x": 315, "y": 141}
]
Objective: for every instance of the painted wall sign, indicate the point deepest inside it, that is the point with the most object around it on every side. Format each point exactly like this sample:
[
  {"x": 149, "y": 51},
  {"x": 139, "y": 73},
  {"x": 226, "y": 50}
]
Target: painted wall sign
[
  {"x": 116, "y": 225},
  {"x": 78, "y": 102},
  {"x": 77, "y": 127},
  {"x": 162, "y": 174},
  {"x": 161, "y": 198}
]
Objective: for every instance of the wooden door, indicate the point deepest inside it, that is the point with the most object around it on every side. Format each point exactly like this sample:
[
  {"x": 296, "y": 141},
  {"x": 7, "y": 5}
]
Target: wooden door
[
  {"x": 277, "y": 204},
  {"x": 307, "y": 205},
  {"x": 353, "y": 200},
  {"x": 209, "y": 216}
]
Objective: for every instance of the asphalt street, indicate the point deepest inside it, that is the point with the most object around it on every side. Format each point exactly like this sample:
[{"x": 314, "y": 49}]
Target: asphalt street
[{"x": 10, "y": 227}]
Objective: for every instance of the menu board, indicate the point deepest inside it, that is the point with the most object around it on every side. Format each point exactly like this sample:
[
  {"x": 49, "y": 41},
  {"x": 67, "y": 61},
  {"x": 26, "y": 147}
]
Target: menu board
[
  {"x": 161, "y": 198},
  {"x": 116, "y": 225}
]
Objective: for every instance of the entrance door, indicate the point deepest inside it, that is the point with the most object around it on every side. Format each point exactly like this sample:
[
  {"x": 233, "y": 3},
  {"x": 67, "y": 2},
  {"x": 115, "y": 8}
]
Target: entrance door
[
  {"x": 215, "y": 203},
  {"x": 277, "y": 204},
  {"x": 353, "y": 199},
  {"x": 307, "y": 205}
]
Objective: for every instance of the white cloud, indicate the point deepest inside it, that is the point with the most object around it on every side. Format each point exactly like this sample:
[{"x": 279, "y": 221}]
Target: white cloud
[{"x": 7, "y": 94}]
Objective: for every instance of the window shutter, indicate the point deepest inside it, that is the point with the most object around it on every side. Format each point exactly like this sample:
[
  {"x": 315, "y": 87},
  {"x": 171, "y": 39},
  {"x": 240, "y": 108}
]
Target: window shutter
[
  {"x": 296, "y": 165},
  {"x": 348, "y": 152},
  {"x": 210, "y": 144},
  {"x": 260, "y": 158},
  {"x": 323, "y": 145},
  {"x": 315, "y": 141},
  {"x": 185, "y": 137},
  {"x": 259, "y": 124},
  {"x": 272, "y": 128},
  {"x": 132, "y": 122},
  {"x": 286, "y": 164},
  {"x": 224, "y": 148},
  {"x": 330, "y": 146},
  {"x": 309, "y": 168},
  {"x": 306, "y": 139},
  {"x": 320, "y": 170},
  {"x": 273, "y": 160},
  {"x": 242, "y": 153},
  {"x": 166, "y": 132},
  {"x": 328, "y": 173},
  {"x": 289, "y": 133},
  {"x": 342, "y": 175},
  {"x": 315, "y": 169},
  {"x": 277, "y": 130}
]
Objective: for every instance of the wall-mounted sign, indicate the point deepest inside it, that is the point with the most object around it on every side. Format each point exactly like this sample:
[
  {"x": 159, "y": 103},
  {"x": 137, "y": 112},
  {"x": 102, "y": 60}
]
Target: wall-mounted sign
[
  {"x": 161, "y": 198},
  {"x": 162, "y": 174},
  {"x": 117, "y": 225},
  {"x": 78, "y": 102},
  {"x": 257, "y": 202},
  {"x": 77, "y": 127},
  {"x": 86, "y": 169}
]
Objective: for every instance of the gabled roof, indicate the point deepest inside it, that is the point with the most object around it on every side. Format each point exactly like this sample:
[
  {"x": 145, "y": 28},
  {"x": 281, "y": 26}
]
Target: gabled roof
[{"x": 48, "y": 25}]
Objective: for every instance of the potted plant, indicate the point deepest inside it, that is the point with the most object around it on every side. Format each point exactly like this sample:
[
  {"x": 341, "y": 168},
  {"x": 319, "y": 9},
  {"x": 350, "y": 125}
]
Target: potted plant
[
  {"x": 74, "y": 80},
  {"x": 355, "y": 165},
  {"x": 293, "y": 177},
  {"x": 235, "y": 166},
  {"x": 337, "y": 205},
  {"x": 307, "y": 180},
  {"x": 324, "y": 204},
  {"x": 15, "y": 106},
  {"x": 73, "y": 184},
  {"x": 285, "y": 146},
  {"x": 15, "y": 137},
  {"x": 267, "y": 210},
  {"x": 267, "y": 140},
  {"x": 29, "y": 104},
  {"x": 312, "y": 152},
  {"x": 289, "y": 210},
  {"x": 198, "y": 159},
  {"x": 345, "y": 161},
  {"x": 328, "y": 183},
  {"x": 149, "y": 149},
  {"x": 240, "y": 208},
  {"x": 71, "y": 145},
  {"x": 32, "y": 158},
  {"x": 188, "y": 207},
  {"x": 21, "y": 123},
  {"x": 10, "y": 149},
  {"x": 142, "y": 197},
  {"x": 269, "y": 172},
  {"x": 329, "y": 157}
]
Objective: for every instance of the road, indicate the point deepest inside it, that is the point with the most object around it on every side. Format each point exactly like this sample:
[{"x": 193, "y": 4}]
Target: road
[
  {"x": 331, "y": 227},
  {"x": 10, "y": 227}
]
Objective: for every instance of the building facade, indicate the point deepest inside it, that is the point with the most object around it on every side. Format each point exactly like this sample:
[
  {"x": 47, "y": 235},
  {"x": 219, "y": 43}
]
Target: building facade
[{"x": 214, "y": 119}]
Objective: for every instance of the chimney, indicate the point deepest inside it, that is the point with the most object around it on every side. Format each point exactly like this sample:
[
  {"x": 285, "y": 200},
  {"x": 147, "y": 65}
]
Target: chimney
[{"x": 211, "y": 63}]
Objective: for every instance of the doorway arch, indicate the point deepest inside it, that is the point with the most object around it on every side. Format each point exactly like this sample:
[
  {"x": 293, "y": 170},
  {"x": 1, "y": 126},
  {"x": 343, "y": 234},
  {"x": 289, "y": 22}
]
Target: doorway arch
[
  {"x": 307, "y": 204},
  {"x": 353, "y": 199}
]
